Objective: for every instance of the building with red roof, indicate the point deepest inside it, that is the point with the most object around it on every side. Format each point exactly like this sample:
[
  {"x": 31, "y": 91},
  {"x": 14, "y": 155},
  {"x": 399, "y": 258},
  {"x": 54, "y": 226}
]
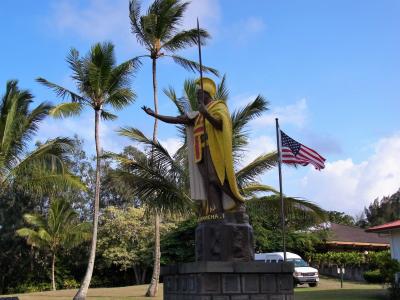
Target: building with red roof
[{"x": 392, "y": 230}]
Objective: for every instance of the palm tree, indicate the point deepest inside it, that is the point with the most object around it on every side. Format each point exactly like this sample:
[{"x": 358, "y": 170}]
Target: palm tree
[
  {"x": 100, "y": 83},
  {"x": 41, "y": 171},
  {"x": 60, "y": 229},
  {"x": 158, "y": 31},
  {"x": 158, "y": 179}
]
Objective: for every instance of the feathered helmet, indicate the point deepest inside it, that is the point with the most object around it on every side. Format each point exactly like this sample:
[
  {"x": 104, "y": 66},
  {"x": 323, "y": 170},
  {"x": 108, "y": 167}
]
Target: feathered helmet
[{"x": 208, "y": 86}]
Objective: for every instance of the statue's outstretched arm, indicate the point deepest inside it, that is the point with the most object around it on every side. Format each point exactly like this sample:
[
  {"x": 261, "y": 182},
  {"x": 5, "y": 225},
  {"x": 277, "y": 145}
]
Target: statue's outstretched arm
[{"x": 168, "y": 119}]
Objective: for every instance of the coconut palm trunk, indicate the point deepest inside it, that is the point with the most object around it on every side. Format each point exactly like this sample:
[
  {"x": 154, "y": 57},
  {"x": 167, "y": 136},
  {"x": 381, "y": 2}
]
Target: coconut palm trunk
[
  {"x": 155, "y": 97},
  {"x": 53, "y": 269},
  {"x": 82, "y": 292},
  {"x": 153, "y": 287}
]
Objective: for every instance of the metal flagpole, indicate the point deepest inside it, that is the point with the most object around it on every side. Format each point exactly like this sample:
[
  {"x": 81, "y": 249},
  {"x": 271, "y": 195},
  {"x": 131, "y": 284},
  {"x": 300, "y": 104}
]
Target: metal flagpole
[{"x": 279, "y": 143}]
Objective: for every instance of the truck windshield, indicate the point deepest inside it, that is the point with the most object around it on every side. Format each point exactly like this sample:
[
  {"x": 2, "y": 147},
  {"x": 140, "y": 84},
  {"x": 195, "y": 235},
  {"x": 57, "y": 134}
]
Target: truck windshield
[{"x": 298, "y": 262}]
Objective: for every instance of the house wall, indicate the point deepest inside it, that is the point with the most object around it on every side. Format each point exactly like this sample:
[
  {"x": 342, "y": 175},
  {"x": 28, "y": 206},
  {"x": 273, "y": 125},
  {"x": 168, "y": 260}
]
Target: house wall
[{"x": 395, "y": 244}]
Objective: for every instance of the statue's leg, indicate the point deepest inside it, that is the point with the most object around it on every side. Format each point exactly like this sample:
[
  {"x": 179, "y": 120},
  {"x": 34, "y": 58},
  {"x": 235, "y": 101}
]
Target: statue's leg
[
  {"x": 239, "y": 205},
  {"x": 213, "y": 188}
]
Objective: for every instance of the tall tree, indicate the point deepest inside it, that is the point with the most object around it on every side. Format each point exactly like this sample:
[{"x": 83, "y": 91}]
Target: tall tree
[
  {"x": 60, "y": 229},
  {"x": 381, "y": 211},
  {"x": 160, "y": 33},
  {"x": 340, "y": 217},
  {"x": 125, "y": 239},
  {"x": 100, "y": 83},
  {"x": 41, "y": 171}
]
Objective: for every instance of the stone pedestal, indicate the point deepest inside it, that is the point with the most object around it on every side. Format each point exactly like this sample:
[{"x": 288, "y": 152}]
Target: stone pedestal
[
  {"x": 228, "y": 281},
  {"x": 225, "y": 268},
  {"x": 228, "y": 238}
]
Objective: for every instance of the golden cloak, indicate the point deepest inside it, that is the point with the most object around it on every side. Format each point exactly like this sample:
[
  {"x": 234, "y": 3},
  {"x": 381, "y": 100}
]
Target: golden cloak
[{"x": 220, "y": 144}]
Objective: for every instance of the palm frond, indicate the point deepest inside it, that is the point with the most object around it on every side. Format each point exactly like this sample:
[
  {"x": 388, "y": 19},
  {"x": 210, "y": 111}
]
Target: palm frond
[
  {"x": 66, "y": 109},
  {"x": 252, "y": 188},
  {"x": 184, "y": 39},
  {"x": 76, "y": 65},
  {"x": 137, "y": 30},
  {"x": 180, "y": 104},
  {"x": 160, "y": 156},
  {"x": 17, "y": 123},
  {"x": 255, "y": 168},
  {"x": 107, "y": 116},
  {"x": 294, "y": 207},
  {"x": 33, "y": 237},
  {"x": 35, "y": 220},
  {"x": 61, "y": 91},
  {"x": 43, "y": 170},
  {"x": 157, "y": 191},
  {"x": 222, "y": 90},
  {"x": 192, "y": 65},
  {"x": 240, "y": 120},
  {"x": 121, "y": 97},
  {"x": 241, "y": 117},
  {"x": 119, "y": 76},
  {"x": 189, "y": 87}
]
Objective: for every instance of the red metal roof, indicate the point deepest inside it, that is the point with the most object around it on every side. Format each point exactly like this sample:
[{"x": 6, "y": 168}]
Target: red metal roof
[{"x": 385, "y": 227}]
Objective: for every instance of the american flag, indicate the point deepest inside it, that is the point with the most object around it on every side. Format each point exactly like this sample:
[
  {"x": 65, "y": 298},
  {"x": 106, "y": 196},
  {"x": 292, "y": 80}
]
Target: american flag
[{"x": 295, "y": 153}]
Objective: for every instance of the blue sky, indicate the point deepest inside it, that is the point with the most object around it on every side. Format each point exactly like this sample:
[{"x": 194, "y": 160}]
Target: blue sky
[{"x": 330, "y": 70}]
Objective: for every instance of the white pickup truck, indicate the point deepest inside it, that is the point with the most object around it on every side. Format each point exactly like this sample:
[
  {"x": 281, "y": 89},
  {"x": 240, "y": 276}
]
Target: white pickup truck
[{"x": 303, "y": 273}]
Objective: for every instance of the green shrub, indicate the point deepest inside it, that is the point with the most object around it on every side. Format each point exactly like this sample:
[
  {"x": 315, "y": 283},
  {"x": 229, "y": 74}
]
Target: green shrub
[
  {"x": 31, "y": 287},
  {"x": 98, "y": 281},
  {"x": 373, "y": 260},
  {"x": 389, "y": 267},
  {"x": 394, "y": 292},
  {"x": 373, "y": 276},
  {"x": 70, "y": 283}
]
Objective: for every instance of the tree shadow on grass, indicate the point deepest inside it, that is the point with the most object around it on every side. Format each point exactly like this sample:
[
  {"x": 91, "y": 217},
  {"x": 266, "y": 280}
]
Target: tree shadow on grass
[{"x": 345, "y": 294}]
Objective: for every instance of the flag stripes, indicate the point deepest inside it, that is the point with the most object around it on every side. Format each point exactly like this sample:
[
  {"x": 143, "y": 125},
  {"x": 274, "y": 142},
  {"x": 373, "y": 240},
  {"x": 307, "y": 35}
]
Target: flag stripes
[{"x": 295, "y": 153}]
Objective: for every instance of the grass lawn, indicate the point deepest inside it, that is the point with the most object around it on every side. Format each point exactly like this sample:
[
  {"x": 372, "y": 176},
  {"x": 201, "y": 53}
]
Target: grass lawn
[{"x": 328, "y": 289}]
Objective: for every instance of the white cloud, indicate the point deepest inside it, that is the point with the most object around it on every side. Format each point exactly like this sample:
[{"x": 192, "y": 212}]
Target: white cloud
[
  {"x": 326, "y": 144},
  {"x": 246, "y": 29},
  {"x": 348, "y": 186},
  {"x": 83, "y": 126},
  {"x": 242, "y": 100},
  {"x": 254, "y": 25},
  {"x": 294, "y": 114},
  {"x": 171, "y": 144},
  {"x": 208, "y": 12},
  {"x": 93, "y": 20},
  {"x": 96, "y": 20},
  {"x": 257, "y": 146}
]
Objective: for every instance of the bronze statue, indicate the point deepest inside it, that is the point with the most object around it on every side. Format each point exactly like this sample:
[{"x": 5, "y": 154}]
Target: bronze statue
[{"x": 209, "y": 133}]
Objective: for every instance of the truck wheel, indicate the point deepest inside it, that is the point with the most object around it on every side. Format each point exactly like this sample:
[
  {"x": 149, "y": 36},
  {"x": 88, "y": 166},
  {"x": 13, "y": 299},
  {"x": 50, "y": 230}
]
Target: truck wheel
[{"x": 314, "y": 284}]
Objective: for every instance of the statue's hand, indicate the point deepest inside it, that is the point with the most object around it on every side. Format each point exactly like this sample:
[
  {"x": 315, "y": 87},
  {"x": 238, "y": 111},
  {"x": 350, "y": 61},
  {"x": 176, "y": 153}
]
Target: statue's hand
[
  {"x": 202, "y": 108},
  {"x": 148, "y": 110}
]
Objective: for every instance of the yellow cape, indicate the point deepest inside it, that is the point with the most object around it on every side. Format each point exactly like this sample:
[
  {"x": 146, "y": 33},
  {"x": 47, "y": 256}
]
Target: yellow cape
[{"x": 220, "y": 145}]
